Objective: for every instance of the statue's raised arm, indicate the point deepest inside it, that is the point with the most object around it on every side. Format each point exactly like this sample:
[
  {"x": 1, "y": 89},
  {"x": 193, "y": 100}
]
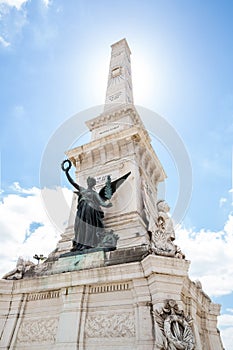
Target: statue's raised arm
[{"x": 66, "y": 170}]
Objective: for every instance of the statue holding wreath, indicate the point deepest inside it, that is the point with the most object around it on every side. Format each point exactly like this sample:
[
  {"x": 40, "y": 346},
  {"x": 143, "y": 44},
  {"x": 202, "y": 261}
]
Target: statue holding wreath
[{"x": 89, "y": 216}]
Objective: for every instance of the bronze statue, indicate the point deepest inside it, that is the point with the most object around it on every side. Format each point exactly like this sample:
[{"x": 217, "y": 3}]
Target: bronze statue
[{"x": 89, "y": 216}]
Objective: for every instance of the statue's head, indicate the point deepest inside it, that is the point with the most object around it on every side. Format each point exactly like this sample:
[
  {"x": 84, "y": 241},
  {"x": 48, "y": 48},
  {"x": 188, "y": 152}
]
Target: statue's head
[
  {"x": 91, "y": 181},
  {"x": 163, "y": 206}
]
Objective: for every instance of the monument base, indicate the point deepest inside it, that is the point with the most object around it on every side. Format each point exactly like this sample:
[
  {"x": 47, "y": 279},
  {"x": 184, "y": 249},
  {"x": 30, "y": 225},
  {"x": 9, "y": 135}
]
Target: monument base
[{"x": 103, "y": 302}]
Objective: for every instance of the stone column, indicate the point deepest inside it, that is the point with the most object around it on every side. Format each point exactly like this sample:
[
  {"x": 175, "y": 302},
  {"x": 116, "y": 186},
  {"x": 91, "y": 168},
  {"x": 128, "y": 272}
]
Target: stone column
[
  {"x": 14, "y": 310},
  {"x": 143, "y": 316},
  {"x": 165, "y": 281},
  {"x": 192, "y": 310},
  {"x": 214, "y": 338},
  {"x": 68, "y": 333}
]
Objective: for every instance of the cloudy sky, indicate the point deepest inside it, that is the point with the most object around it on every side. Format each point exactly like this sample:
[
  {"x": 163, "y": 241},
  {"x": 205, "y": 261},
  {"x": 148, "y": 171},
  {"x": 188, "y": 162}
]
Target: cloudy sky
[{"x": 54, "y": 64}]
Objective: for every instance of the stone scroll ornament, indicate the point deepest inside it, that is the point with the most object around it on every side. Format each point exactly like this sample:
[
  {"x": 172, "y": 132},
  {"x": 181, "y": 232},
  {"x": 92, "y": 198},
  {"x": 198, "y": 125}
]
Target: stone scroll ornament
[
  {"x": 172, "y": 329},
  {"x": 89, "y": 227}
]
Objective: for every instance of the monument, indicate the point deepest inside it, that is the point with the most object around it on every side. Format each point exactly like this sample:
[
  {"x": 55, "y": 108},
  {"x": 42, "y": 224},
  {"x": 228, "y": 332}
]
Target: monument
[{"x": 116, "y": 279}]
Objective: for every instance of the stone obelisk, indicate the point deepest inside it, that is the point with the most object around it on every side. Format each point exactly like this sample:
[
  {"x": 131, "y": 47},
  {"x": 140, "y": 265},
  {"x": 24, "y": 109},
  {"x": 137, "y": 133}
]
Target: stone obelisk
[
  {"x": 120, "y": 145},
  {"x": 137, "y": 296},
  {"x": 119, "y": 89}
]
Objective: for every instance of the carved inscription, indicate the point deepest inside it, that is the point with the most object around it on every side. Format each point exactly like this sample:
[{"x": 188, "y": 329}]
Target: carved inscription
[
  {"x": 109, "y": 129},
  {"x": 38, "y": 331},
  {"x": 117, "y": 325},
  {"x": 102, "y": 178},
  {"x": 117, "y": 54},
  {"x": 115, "y": 96}
]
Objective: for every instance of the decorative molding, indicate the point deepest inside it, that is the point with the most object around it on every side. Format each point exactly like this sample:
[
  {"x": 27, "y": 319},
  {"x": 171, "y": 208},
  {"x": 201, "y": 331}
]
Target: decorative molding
[
  {"x": 105, "y": 288},
  {"x": 106, "y": 118},
  {"x": 115, "y": 150},
  {"x": 115, "y": 325},
  {"x": 43, "y": 295},
  {"x": 150, "y": 165},
  {"x": 38, "y": 331}
]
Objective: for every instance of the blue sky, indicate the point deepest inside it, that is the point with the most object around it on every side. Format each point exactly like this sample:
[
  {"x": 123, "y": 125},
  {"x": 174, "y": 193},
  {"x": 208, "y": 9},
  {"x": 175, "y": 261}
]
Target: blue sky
[{"x": 54, "y": 58}]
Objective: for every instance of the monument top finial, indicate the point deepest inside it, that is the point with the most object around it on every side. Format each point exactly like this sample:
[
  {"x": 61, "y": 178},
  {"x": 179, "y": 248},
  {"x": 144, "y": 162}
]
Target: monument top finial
[{"x": 121, "y": 43}]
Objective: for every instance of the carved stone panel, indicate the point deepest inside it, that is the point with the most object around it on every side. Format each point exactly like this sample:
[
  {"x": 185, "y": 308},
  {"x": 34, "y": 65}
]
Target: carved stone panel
[
  {"x": 114, "y": 325},
  {"x": 38, "y": 331}
]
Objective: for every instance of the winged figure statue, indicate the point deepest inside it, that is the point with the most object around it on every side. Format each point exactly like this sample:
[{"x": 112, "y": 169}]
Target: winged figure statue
[{"x": 89, "y": 224}]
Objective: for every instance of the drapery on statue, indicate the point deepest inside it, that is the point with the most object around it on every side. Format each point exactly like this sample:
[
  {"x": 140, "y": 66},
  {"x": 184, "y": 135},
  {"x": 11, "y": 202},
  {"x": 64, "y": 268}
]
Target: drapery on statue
[
  {"x": 89, "y": 216},
  {"x": 163, "y": 235}
]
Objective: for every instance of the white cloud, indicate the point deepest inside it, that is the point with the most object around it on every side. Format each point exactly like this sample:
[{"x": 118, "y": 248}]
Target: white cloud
[
  {"x": 16, "y": 187},
  {"x": 227, "y": 337},
  {"x": 225, "y": 324},
  {"x": 225, "y": 320},
  {"x": 222, "y": 201},
  {"x": 211, "y": 257},
  {"x": 211, "y": 262},
  {"x": 12, "y": 22},
  {"x": 17, "y": 212},
  {"x": 230, "y": 310},
  {"x": 47, "y": 2},
  {"x": 14, "y": 3},
  {"x": 3, "y": 42}
]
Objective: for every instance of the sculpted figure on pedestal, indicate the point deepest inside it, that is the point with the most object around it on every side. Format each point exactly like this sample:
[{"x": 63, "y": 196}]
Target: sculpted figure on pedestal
[
  {"x": 18, "y": 272},
  {"x": 89, "y": 216},
  {"x": 163, "y": 234},
  {"x": 164, "y": 219}
]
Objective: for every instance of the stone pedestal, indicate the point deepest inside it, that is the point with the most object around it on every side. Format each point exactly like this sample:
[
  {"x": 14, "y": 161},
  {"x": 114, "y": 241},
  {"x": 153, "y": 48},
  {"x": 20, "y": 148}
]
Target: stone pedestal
[{"x": 107, "y": 305}]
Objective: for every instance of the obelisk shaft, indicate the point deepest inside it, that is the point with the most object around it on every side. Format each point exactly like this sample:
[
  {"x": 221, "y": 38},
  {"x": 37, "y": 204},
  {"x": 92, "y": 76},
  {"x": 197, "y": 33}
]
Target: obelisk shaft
[{"x": 119, "y": 89}]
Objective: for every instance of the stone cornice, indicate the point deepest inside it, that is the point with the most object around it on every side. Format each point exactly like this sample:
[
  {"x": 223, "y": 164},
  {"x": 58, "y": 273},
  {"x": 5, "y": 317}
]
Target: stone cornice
[
  {"x": 135, "y": 135},
  {"x": 114, "y": 116}
]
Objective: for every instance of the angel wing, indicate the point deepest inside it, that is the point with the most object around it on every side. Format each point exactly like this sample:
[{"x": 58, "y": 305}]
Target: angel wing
[{"x": 112, "y": 186}]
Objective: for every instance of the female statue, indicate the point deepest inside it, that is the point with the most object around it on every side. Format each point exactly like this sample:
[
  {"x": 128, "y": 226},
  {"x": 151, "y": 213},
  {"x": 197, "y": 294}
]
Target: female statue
[{"x": 89, "y": 216}]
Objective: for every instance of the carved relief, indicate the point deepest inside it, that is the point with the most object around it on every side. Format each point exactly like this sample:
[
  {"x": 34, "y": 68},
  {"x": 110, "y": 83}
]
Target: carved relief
[
  {"x": 116, "y": 75},
  {"x": 116, "y": 71},
  {"x": 172, "y": 329},
  {"x": 117, "y": 325},
  {"x": 38, "y": 331}
]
